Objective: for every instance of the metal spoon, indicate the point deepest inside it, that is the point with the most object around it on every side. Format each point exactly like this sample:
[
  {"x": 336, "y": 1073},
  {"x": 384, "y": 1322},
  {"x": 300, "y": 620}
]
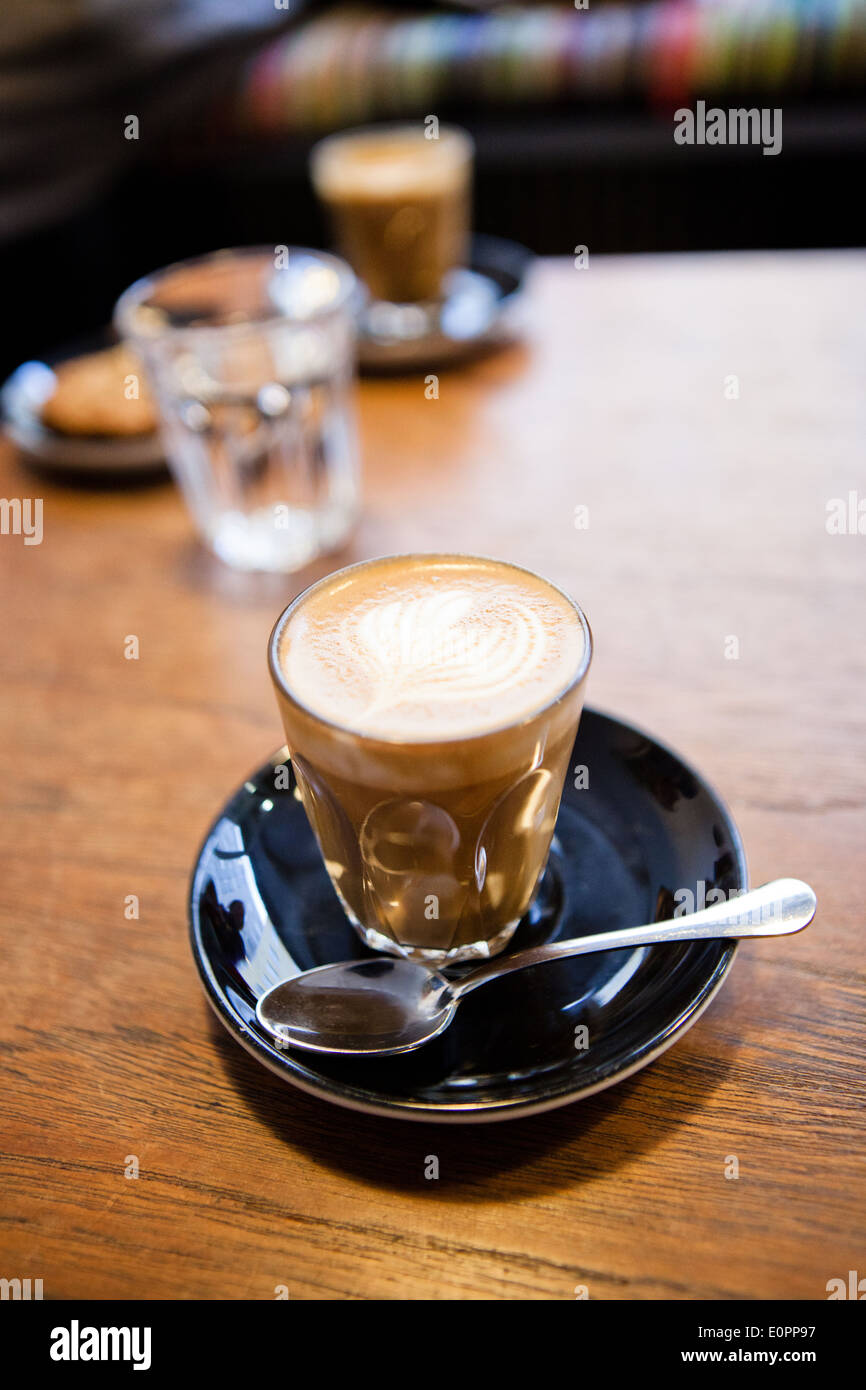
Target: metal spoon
[{"x": 387, "y": 1004}]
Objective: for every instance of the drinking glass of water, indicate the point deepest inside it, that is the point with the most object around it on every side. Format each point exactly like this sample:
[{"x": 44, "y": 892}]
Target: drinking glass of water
[{"x": 251, "y": 358}]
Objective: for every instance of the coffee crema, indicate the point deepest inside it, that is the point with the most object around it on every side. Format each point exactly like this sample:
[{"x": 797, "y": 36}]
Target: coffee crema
[
  {"x": 389, "y": 162},
  {"x": 431, "y": 648}
]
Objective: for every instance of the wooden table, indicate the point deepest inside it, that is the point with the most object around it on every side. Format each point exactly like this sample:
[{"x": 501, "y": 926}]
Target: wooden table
[{"x": 707, "y": 516}]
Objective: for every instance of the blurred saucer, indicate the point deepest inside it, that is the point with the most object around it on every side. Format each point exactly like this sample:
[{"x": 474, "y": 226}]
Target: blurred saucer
[
  {"x": 477, "y": 313},
  {"x": 639, "y": 827},
  {"x": 21, "y": 400}
]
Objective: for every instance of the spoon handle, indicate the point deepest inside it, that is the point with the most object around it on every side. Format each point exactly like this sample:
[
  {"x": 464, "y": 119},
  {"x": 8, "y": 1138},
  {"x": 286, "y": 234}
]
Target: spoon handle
[{"x": 776, "y": 909}]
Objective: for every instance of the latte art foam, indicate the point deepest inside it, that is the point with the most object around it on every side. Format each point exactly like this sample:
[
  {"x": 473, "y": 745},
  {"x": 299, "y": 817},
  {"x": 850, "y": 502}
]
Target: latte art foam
[{"x": 431, "y": 647}]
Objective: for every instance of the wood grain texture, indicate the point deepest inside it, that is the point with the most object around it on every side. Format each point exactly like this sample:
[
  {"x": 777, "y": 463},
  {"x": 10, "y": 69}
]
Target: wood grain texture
[{"x": 706, "y": 520}]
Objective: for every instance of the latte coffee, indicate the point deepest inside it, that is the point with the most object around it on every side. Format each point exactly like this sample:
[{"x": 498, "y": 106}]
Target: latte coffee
[
  {"x": 430, "y": 704},
  {"x": 399, "y": 204}
]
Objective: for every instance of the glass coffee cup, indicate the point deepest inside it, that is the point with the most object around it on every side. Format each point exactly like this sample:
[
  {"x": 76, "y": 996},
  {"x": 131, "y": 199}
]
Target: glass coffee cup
[
  {"x": 399, "y": 203},
  {"x": 430, "y": 705}
]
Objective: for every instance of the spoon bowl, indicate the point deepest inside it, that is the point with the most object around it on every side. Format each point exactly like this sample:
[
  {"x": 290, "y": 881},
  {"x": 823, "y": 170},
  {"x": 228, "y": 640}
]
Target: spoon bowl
[{"x": 376, "y": 1007}]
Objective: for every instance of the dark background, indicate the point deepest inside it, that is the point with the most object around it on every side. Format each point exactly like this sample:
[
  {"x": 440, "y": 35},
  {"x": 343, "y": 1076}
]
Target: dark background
[{"x": 602, "y": 172}]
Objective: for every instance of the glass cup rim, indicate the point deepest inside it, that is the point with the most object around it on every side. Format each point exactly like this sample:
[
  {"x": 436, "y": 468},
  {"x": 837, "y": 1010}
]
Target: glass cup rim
[
  {"x": 457, "y": 136},
  {"x": 282, "y": 684},
  {"x": 136, "y": 294}
]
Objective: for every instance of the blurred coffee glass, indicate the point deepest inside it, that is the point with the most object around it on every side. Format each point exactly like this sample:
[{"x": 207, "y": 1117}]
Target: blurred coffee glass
[{"x": 399, "y": 203}]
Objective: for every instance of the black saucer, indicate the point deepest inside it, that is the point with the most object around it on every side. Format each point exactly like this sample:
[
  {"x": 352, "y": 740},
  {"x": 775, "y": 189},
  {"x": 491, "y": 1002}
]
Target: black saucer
[{"x": 262, "y": 907}]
